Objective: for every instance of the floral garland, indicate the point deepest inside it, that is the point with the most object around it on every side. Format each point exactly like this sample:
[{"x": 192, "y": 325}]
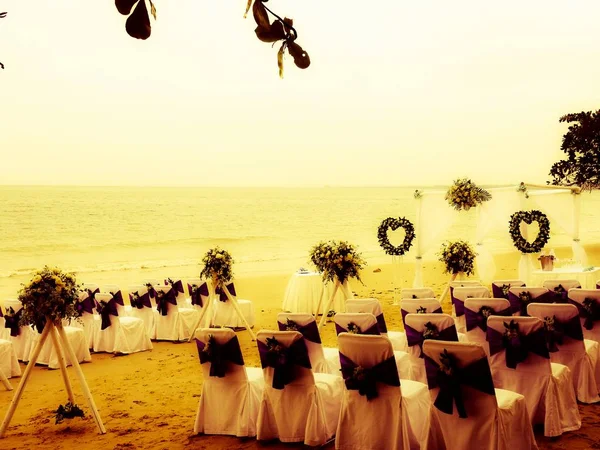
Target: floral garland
[
  {"x": 68, "y": 411},
  {"x": 458, "y": 257},
  {"x": 218, "y": 266},
  {"x": 394, "y": 224},
  {"x": 514, "y": 228},
  {"x": 464, "y": 195},
  {"x": 337, "y": 260},
  {"x": 51, "y": 294}
]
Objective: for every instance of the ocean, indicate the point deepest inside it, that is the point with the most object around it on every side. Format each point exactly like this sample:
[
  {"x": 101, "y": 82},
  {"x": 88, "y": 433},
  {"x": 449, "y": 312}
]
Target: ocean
[{"x": 125, "y": 230}]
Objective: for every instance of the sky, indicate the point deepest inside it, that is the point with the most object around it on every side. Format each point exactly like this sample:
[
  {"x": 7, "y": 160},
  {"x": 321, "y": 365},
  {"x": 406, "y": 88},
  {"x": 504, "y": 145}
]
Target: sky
[{"x": 398, "y": 93}]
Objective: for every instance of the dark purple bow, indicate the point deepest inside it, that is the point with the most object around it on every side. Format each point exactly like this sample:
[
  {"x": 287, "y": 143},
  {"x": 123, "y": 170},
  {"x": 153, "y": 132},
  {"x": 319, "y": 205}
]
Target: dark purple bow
[
  {"x": 197, "y": 292},
  {"x": 118, "y": 298},
  {"x": 223, "y": 295},
  {"x": 556, "y": 330},
  {"x": 1, "y": 314},
  {"x": 310, "y": 331},
  {"x": 459, "y": 305},
  {"x": 502, "y": 291},
  {"x": 163, "y": 298},
  {"x": 479, "y": 318},
  {"x": 561, "y": 295},
  {"x": 364, "y": 380},
  {"x": 88, "y": 304},
  {"x": 176, "y": 286},
  {"x": 381, "y": 323},
  {"x": 219, "y": 355},
  {"x": 589, "y": 310},
  {"x": 11, "y": 320},
  {"x": 140, "y": 301},
  {"x": 151, "y": 291},
  {"x": 517, "y": 304},
  {"x": 517, "y": 345},
  {"x": 106, "y": 309},
  {"x": 283, "y": 360},
  {"x": 373, "y": 330},
  {"x": 414, "y": 337},
  {"x": 449, "y": 378},
  {"x": 405, "y": 312}
]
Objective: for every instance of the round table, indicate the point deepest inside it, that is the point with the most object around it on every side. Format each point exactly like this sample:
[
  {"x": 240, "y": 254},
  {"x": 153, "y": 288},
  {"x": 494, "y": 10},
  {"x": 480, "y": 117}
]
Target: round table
[{"x": 306, "y": 288}]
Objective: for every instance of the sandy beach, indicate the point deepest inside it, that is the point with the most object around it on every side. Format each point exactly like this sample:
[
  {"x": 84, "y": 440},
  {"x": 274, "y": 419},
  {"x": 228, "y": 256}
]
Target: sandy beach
[{"x": 148, "y": 400}]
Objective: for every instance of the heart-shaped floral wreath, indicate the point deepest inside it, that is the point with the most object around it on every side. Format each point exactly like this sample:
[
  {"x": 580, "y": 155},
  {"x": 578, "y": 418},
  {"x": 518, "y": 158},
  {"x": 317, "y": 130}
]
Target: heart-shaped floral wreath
[
  {"x": 394, "y": 224},
  {"x": 514, "y": 228}
]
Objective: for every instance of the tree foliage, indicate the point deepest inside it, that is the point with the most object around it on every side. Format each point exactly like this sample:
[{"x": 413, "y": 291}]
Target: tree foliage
[
  {"x": 281, "y": 29},
  {"x": 581, "y": 143}
]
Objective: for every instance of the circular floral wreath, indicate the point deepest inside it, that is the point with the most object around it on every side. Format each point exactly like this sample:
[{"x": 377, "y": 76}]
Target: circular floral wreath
[
  {"x": 394, "y": 224},
  {"x": 514, "y": 228}
]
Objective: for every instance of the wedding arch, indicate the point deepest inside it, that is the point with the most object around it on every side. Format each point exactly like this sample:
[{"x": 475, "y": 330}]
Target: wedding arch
[{"x": 433, "y": 215}]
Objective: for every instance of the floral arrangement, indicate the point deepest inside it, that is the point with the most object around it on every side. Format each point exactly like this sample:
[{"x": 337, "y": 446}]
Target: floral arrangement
[
  {"x": 51, "y": 294},
  {"x": 554, "y": 333},
  {"x": 394, "y": 224},
  {"x": 68, "y": 411},
  {"x": 458, "y": 257},
  {"x": 591, "y": 312},
  {"x": 505, "y": 290},
  {"x": 514, "y": 228},
  {"x": 523, "y": 189},
  {"x": 421, "y": 310},
  {"x": 486, "y": 311},
  {"x": 337, "y": 260},
  {"x": 291, "y": 325},
  {"x": 464, "y": 195},
  {"x": 218, "y": 266},
  {"x": 430, "y": 331},
  {"x": 353, "y": 328},
  {"x": 524, "y": 300}
]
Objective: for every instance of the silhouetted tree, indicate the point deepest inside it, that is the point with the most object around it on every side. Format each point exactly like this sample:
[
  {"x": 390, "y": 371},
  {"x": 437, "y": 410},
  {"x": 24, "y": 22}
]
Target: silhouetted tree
[{"x": 581, "y": 143}]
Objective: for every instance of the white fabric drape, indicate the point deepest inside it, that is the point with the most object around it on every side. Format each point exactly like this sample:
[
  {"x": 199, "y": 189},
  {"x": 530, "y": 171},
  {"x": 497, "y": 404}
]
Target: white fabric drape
[{"x": 434, "y": 215}]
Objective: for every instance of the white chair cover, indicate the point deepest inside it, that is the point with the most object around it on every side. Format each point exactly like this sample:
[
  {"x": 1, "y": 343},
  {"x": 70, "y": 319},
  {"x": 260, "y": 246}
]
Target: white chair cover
[
  {"x": 9, "y": 365},
  {"x": 204, "y": 299},
  {"x": 146, "y": 313},
  {"x": 566, "y": 284},
  {"x": 547, "y": 386},
  {"x": 88, "y": 320},
  {"x": 124, "y": 335},
  {"x": 114, "y": 289},
  {"x": 497, "y": 287},
  {"x": 411, "y": 305},
  {"x": 367, "y": 324},
  {"x": 305, "y": 410},
  {"x": 48, "y": 355},
  {"x": 228, "y": 405},
  {"x": 396, "y": 419},
  {"x": 473, "y": 305},
  {"x": 497, "y": 421},
  {"x": 23, "y": 342},
  {"x": 577, "y": 297},
  {"x": 580, "y": 358},
  {"x": 444, "y": 323},
  {"x": 372, "y": 305},
  {"x": 178, "y": 324},
  {"x": 322, "y": 359},
  {"x": 226, "y": 316},
  {"x": 459, "y": 294},
  {"x": 423, "y": 292},
  {"x": 541, "y": 294}
]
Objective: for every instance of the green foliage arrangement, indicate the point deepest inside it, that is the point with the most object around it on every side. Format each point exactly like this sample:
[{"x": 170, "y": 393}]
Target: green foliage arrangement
[
  {"x": 337, "y": 260},
  {"x": 218, "y": 266},
  {"x": 457, "y": 257}
]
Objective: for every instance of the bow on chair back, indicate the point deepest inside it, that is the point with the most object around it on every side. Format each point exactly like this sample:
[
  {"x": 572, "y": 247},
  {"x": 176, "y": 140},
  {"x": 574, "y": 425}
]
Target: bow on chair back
[
  {"x": 106, "y": 306},
  {"x": 221, "y": 349},
  {"x": 198, "y": 292},
  {"x": 419, "y": 306},
  {"x": 521, "y": 297},
  {"x": 561, "y": 322},
  {"x": 460, "y": 293},
  {"x": 587, "y": 302},
  {"x": 560, "y": 289},
  {"x": 356, "y": 323},
  {"x": 368, "y": 305},
  {"x": 286, "y": 354},
  {"x": 422, "y": 327},
  {"x": 139, "y": 297},
  {"x": 303, "y": 323},
  {"x": 477, "y": 311},
  {"x": 500, "y": 288}
]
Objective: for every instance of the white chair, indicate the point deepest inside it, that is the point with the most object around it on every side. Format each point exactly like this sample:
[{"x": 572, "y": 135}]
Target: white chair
[
  {"x": 520, "y": 297},
  {"x": 117, "y": 333},
  {"x": 143, "y": 307},
  {"x": 87, "y": 308},
  {"x": 423, "y": 305},
  {"x": 231, "y": 393},
  {"x": 48, "y": 355},
  {"x": 587, "y": 302},
  {"x": 199, "y": 297},
  {"x": 366, "y": 324},
  {"x": 118, "y": 296},
  {"x": 172, "y": 322},
  {"x": 520, "y": 362},
  {"x": 322, "y": 359},
  {"x": 459, "y": 294},
  {"x": 567, "y": 346},
  {"x": 389, "y": 413},
  {"x": 9, "y": 364},
  {"x": 297, "y": 404},
  {"x": 21, "y": 337},
  {"x": 417, "y": 293},
  {"x": 477, "y": 311},
  {"x": 419, "y": 328},
  {"x": 560, "y": 288},
  {"x": 225, "y": 314},
  {"x": 372, "y": 306},
  {"x": 496, "y": 419},
  {"x": 500, "y": 287}
]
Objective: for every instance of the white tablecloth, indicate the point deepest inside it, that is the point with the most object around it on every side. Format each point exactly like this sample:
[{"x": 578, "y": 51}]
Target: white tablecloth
[
  {"x": 304, "y": 290},
  {"x": 587, "y": 278}
]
